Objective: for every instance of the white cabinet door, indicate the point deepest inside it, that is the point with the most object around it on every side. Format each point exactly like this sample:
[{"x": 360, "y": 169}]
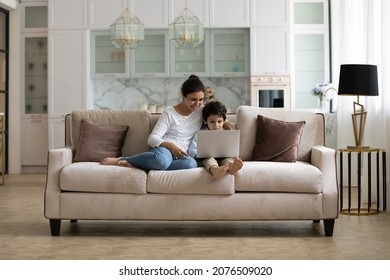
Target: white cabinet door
[
  {"x": 229, "y": 13},
  {"x": 187, "y": 61},
  {"x": 152, "y": 13},
  {"x": 103, "y": 13},
  {"x": 269, "y": 50},
  {"x": 199, "y": 8},
  {"x": 229, "y": 53},
  {"x": 151, "y": 58},
  {"x": 34, "y": 141},
  {"x": 67, "y": 72},
  {"x": 56, "y": 133},
  {"x": 108, "y": 61},
  {"x": 68, "y": 14},
  {"x": 270, "y": 13}
]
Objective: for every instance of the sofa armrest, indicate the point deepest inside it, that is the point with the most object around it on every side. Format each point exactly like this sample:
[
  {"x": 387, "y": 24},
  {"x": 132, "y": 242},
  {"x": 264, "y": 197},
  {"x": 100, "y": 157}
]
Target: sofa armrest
[
  {"x": 56, "y": 160},
  {"x": 324, "y": 159}
]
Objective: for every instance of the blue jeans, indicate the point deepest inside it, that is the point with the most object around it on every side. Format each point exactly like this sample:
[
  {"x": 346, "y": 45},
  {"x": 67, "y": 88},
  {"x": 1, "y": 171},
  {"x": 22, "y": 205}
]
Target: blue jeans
[{"x": 160, "y": 158}]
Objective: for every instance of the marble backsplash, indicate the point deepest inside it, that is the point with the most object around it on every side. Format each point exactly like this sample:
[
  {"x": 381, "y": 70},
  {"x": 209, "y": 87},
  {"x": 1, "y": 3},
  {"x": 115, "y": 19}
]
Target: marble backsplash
[{"x": 156, "y": 93}]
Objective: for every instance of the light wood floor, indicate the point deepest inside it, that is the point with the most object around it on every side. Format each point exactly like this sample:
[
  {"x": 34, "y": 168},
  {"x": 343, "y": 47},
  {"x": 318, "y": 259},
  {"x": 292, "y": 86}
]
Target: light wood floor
[{"x": 24, "y": 234}]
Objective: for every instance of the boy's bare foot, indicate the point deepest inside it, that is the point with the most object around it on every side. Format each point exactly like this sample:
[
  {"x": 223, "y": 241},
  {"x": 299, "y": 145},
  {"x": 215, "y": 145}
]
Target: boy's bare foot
[
  {"x": 110, "y": 161},
  {"x": 235, "y": 166},
  {"x": 218, "y": 171}
]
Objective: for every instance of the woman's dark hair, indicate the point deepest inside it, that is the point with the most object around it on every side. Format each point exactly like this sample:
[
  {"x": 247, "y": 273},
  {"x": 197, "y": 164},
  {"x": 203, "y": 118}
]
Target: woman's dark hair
[
  {"x": 214, "y": 108},
  {"x": 191, "y": 85}
]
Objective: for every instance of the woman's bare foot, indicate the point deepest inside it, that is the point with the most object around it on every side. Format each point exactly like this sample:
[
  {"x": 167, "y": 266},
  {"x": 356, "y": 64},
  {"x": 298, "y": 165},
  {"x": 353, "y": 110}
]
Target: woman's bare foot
[
  {"x": 235, "y": 166},
  {"x": 110, "y": 161},
  {"x": 125, "y": 163},
  {"x": 218, "y": 171}
]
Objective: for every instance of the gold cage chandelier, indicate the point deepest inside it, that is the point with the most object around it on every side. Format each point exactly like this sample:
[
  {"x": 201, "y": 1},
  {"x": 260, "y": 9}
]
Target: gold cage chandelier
[
  {"x": 127, "y": 31},
  {"x": 186, "y": 31}
]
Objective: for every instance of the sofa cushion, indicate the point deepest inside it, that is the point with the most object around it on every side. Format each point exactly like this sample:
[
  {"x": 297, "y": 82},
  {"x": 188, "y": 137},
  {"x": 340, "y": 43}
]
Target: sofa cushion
[
  {"x": 267, "y": 176},
  {"x": 277, "y": 140},
  {"x": 188, "y": 181},
  {"x": 93, "y": 177},
  {"x": 247, "y": 123},
  {"x": 98, "y": 141}
]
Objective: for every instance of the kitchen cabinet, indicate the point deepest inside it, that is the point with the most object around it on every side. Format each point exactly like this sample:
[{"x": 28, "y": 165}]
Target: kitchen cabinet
[
  {"x": 310, "y": 50},
  {"x": 107, "y": 60},
  {"x": 150, "y": 59},
  {"x": 229, "y": 13},
  {"x": 34, "y": 141},
  {"x": 68, "y": 87},
  {"x": 35, "y": 73},
  {"x": 152, "y": 13},
  {"x": 270, "y": 48},
  {"x": 270, "y": 13},
  {"x": 34, "y": 17},
  {"x": 199, "y": 8},
  {"x": 229, "y": 53},
  {"x": 34, "y": 81},
  {"x": 187, "y": 61},
  {"x": 68, "y": 14},
  {"x": 67, "y": 72},
  {"x": 56, "y": 133},
  {"x": 103, "y": 13}
]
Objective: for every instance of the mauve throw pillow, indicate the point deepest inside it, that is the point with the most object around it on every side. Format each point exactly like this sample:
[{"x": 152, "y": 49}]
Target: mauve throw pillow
[
  {"x": 98, "y": 141},
  {"x": 277, "y": 140}
]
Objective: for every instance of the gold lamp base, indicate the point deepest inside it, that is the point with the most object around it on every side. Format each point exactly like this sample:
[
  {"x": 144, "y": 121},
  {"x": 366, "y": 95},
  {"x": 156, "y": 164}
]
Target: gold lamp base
[{"x": 359, "y": 117}]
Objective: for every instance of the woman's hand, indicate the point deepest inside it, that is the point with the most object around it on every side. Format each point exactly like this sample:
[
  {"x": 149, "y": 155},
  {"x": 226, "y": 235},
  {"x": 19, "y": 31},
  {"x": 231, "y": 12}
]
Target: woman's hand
[{"x": 175, "y": 150}]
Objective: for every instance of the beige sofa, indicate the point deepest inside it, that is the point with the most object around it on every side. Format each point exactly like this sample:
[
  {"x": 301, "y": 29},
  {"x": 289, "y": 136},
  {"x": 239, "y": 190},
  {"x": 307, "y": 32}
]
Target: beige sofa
[{"x": 261, "y": 190}]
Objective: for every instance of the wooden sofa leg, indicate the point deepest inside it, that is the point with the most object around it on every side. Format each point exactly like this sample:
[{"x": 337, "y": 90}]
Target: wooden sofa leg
[
  {"x": 55, "y": 227},
  {"x": 328, "y": 226}
]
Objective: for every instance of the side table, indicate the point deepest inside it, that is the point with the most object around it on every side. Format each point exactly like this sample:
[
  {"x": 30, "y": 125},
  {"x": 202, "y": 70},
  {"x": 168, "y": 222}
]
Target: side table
[{"x": 352, "y": 154}]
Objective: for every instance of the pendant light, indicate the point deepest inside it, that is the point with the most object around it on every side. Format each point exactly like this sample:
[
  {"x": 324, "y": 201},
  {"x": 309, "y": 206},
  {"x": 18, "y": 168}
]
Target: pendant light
[
  {"x": 127, "y": 31},
  {"x": 186, "y": 31}
]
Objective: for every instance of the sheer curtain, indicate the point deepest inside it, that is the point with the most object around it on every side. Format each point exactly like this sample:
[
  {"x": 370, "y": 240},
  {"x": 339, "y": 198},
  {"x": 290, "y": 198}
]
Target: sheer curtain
[{"x": 361, "y": 34}]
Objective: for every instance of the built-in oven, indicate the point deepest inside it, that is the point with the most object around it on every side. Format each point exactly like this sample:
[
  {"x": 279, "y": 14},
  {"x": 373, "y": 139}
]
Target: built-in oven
[{"x": 271, "y": 91}]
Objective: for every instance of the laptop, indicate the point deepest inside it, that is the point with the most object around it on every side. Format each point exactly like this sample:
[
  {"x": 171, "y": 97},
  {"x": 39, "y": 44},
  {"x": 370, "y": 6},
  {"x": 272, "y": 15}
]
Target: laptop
[{"x": 218, "y": 143}]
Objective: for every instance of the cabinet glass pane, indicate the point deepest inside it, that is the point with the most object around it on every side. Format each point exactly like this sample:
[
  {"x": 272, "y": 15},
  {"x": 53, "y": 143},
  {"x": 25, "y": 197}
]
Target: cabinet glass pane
[
  {"x": 36, "y": 17},
  {"x": 309, "y": 68},
  {"x": 229, "y": 52},
  {"x": 309, "y": 13},
  {"x": 108, "y": 59},
  {"x": 36, "y": 75},
  {"x": 150, "y": 55},
  {"x": 190, "y": 60}
]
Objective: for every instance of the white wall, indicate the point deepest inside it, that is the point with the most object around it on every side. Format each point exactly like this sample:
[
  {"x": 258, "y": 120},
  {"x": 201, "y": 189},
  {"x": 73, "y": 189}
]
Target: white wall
[{"x": 14, "y": 134}]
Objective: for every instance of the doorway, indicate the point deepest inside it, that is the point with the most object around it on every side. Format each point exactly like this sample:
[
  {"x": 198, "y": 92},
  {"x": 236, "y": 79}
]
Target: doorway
[{"x": 4, "y": 90}]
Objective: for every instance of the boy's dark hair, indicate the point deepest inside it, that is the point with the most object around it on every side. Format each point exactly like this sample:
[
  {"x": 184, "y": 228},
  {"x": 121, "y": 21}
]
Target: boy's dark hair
[
  {"x": 191, "y": 85},
  {"x": 214, "y": 108}
]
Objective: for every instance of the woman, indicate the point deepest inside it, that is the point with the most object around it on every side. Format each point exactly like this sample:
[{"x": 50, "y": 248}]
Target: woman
[{"x": 172, "y": 134}]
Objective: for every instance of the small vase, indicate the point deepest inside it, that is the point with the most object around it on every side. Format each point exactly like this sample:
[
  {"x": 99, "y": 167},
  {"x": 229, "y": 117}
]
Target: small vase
[{"x": 321, "y": 104}]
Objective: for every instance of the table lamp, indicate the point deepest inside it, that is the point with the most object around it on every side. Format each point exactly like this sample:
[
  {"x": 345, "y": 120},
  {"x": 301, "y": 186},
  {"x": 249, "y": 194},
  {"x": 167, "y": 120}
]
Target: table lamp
[{"x": 358, "y": 79}]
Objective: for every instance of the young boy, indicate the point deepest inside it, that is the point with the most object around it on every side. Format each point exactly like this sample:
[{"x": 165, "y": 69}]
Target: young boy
[{"x": 214, "y": 117}]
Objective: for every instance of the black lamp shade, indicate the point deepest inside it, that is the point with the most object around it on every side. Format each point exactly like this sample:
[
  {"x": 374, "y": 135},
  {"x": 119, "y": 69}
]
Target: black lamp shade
[{"x": 358, "y": 79}]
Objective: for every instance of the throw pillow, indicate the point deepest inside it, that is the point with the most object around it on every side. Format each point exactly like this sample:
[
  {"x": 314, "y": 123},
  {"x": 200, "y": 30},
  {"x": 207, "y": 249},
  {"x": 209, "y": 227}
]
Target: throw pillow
[
  {"x": 277, "y": 140},
  {"x": 98, "y": 141}
]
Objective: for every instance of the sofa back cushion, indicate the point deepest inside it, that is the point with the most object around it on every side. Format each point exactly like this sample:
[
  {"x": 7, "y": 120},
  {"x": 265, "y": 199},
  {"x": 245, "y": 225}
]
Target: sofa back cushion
[
  {"x": 313, "y": 134},
  {"x": 138, "y": 122}
]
